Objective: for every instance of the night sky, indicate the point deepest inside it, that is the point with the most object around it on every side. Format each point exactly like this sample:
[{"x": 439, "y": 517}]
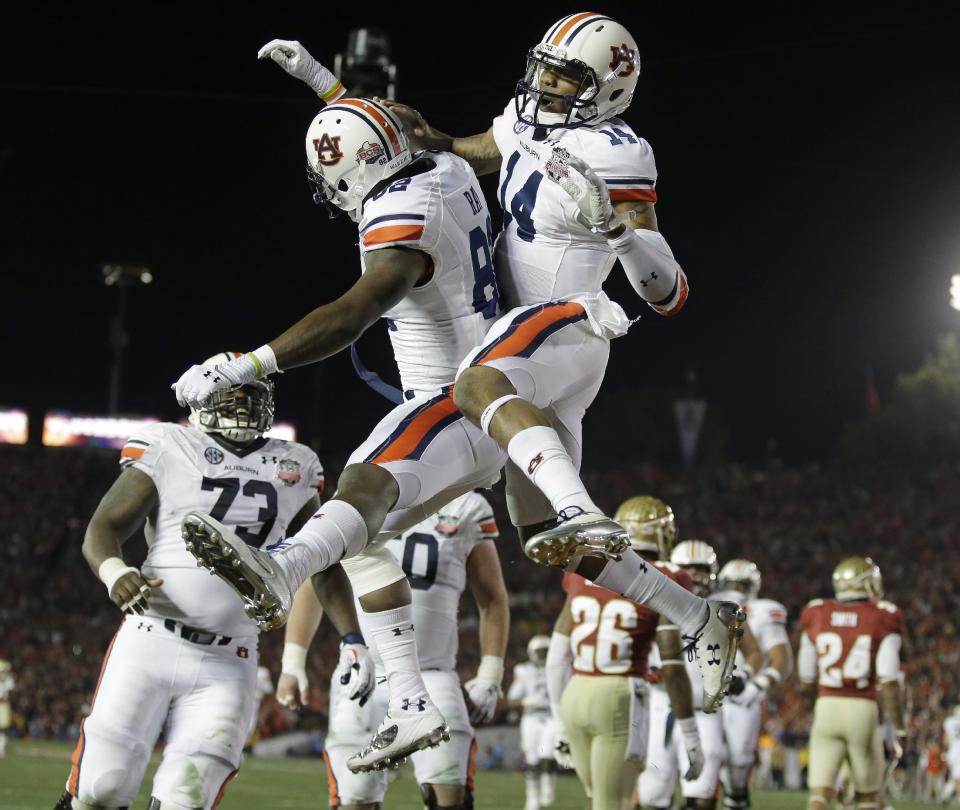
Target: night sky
[{"x": 809, "y": 165}]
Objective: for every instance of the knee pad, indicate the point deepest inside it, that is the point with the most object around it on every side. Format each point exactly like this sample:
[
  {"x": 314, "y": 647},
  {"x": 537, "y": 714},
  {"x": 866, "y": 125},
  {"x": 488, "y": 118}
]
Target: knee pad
[
  {"x": 372, "y": 569},
  {"x": 429, "y": 797},
  {"x": 738, "y": 777},
  {"x": 490, "y": 411}
]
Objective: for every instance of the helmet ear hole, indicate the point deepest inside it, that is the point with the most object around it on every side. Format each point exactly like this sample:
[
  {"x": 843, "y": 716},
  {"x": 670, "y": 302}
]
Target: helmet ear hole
[
  {"x": 342, "y": 185},
  {"x": 616, "y": 94}
]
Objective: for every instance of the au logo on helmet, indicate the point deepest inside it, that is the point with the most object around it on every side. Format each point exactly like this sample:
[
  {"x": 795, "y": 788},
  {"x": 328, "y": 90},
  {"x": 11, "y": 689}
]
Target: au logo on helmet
[
  {"x": 328, "y": 149},
  {"x": 623, "y": 55}
]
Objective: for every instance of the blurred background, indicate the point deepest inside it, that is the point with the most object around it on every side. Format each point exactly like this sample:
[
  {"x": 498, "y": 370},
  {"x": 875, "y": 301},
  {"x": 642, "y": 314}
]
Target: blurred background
[{"x": 805, "y": 407}]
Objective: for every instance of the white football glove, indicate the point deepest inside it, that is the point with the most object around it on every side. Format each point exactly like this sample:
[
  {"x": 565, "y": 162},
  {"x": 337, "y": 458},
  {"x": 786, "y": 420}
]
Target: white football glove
[
  {"x": 297, "y": 61},
  {"x": 750, "y": 694},
  {"x": 561, "y": 745},
  {"x": 693, "y": 747},
  {"x": 589, "y": 192},
  {"x": 356, "y": 668},
  {"x": 198, "y": 383},
  {"x": 483, "y": 696}
]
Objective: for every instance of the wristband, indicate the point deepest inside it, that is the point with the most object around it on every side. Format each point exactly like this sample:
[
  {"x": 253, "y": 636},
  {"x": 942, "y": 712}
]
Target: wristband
[
  {"x": 111, "y": 569},
  {"x": 264, "y": 361},
  {"x": 769, "y": 677},
  {"x": 491, "y": 669},
  {"x": 294, "y": 659},
  {"x": 688, "y": 725},
  {"x": 354, "y": 637}
]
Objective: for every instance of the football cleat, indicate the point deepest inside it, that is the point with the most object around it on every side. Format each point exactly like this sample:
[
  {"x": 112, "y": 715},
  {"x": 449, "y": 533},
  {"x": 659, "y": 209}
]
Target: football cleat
[
  {"x": 590, "y": 533},
  {"x": 715, "y": 647},
  {"x": 398, "y": 737},
  {"x": 253, "y": 574}
]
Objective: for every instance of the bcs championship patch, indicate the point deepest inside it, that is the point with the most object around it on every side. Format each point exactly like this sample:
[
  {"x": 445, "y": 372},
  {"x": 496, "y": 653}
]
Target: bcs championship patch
[{"x": 288, "y": 471}]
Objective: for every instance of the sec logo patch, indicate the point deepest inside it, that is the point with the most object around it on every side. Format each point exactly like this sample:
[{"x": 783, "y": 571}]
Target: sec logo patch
[{"x": 214, "y": 455}]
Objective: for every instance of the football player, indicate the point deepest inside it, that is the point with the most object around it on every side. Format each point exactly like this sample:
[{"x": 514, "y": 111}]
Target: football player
[
  {"x": 849, "y": 646},
  {"x": 607, "y": 640},
  {"x": 441, "y": 557},
  {"x": 666, "y": 759},
  {"x": 7, "y": 684},
  {"x": 528, "y": 691},
  {"x": 951, "y": 737},
  {"x": 739, "y": 581},
  {"x": 184, "y": 660}
]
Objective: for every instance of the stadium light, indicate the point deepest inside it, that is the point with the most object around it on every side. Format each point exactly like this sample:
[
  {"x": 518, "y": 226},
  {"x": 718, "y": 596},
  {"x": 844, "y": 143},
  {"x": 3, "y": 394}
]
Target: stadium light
[
  {"x": 955, "y": 291},
  {"x": 123, "y": 277},
  {"x": 366, "y": 68}
]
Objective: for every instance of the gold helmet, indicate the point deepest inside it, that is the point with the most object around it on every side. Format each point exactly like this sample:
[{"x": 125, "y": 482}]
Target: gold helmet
[
  {"x": 649, "y": 521},
  {"x": 857, "y": 578}
]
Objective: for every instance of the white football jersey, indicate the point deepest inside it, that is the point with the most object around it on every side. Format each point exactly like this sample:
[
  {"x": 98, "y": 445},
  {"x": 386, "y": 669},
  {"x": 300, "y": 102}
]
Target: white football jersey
[
  {"x": 440, "y": 212},
  {"x": 256, "y": 492},
  {"x": 530, "y": 686},
  {"x": 693, "y": 673},
  {"x": 951, "y": 730},
  {"x": 544, "y": 253},
  {"x": 7, "y": 684},
  {"x": 433, "y": 554}
]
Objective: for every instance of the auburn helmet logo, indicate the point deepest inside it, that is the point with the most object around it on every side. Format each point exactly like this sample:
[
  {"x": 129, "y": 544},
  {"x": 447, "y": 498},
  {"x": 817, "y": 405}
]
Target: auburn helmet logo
[
  {"x": 328, "y": 149},
  {"x": 622, "y": 55}
]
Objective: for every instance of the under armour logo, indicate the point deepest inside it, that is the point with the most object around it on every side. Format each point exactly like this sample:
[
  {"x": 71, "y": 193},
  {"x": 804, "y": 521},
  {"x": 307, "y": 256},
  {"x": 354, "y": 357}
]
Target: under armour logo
[
  {"x": 643, "y": 566},
  {"x": 652, "y": 277},
  {"x": 144, "y": 626},
  {"x": 535, "y": 462},
  {"x": 265, "y": 459},
  {"x": 399, "y": 631},
  {"x": 409, "y": 705},
  {"x": 714, "y": 658}
]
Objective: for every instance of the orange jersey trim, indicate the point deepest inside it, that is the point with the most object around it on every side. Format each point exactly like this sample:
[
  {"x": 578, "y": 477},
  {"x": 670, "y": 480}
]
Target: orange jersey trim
[
  {"x": 489, "y": 528},
  {"x": 558, "y": 37},
  {"x": 333, "y": 794},
  {"x": 132, "y": 452},
  {"x": 392, "y": 233},
  {"x": 630, "y": 194}
]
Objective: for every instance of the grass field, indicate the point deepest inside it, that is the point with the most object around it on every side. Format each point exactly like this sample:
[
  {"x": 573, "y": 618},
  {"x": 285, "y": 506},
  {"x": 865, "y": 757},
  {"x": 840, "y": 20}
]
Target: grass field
[{"x": 33, "y": 774}]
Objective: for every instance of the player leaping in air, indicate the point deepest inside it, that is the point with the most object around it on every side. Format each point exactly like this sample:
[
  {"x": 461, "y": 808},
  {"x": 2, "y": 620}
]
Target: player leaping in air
[{"x": 522, "y": 389}]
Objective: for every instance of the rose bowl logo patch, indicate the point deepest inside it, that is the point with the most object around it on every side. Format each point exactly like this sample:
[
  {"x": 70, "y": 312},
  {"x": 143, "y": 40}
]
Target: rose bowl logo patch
[
  {"x": 370, "y": 152},
  {"x": 288, "y": 471}
]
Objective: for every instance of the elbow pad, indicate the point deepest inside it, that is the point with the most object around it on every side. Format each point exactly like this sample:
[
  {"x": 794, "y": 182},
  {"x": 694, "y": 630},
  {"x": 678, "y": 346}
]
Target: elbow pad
[{"x": 651, "y": 269}]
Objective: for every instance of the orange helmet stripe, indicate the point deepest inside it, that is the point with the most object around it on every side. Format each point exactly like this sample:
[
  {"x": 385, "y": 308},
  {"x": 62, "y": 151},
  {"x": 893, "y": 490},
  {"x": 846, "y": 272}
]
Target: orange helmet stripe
[
  {"x": 379, "y": 117},
  {"x": 571, "y": 21}
]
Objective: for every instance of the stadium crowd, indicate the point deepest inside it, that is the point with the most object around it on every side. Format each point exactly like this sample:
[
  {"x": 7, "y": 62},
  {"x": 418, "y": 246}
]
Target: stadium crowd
[{"x": 796, "y": 523}]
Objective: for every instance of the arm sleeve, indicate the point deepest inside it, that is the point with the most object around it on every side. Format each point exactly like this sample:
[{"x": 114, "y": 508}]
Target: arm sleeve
[
  {"x": 478, "y": 515},
  {"x": 559, "y": 660},
  {"x": 626, "y": 163},
  {"x": 807, "y": 660},
  {"x": 888, "y": 658},
  {"x": 516, "y": 690}
]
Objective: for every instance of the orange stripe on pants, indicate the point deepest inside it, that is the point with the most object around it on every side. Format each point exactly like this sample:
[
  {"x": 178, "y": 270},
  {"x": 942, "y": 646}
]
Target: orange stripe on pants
[
  {"x": 332, "y": 788},
  {"x": 529, "y": 330},
  {"x": 74, "y": 782},
  {"x": 414, "y": 433},
  {"x": 223, "y": 789}
]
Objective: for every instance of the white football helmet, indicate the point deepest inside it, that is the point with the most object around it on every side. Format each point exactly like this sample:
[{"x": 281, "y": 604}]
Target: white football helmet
[
  {"x": 699, "y": 560},
  {"x": 240, "y": 415},
  {"x": 351, "y": 146},
  {"x": 592, "y": 50},
  {"x": 537, "y": 649},
  {"x": 740, "y": 575}
]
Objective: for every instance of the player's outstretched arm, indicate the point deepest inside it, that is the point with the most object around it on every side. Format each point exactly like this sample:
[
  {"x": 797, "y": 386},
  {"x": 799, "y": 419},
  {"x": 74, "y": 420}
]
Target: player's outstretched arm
[
  {"x": 302, "y": 623},
  {"x": 297, "y": 62},
  {"x": 390, "y": 275},
  {"x": 558, "y": 667},
  {"x": 677, "y": 683},
  {"x": 486, "y": 584},
  {"x": 119, "y": 514},
  {"x": 479, "y": 150}
]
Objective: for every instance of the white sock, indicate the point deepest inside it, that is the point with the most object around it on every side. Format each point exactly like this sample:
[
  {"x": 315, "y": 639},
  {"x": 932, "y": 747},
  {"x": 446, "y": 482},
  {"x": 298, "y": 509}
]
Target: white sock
[
  {"x": 533, "y": 791},
  {"x": 336, "y": 531},
  {"x": 547, "y": 788},
  {"x": 393, "y": 634},
  {"x": 541, "y": 455},
  {"x": 640, "y": 581}
]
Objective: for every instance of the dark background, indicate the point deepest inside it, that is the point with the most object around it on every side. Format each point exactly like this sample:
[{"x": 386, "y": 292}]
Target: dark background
[{"x": 809, "y": 162}]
